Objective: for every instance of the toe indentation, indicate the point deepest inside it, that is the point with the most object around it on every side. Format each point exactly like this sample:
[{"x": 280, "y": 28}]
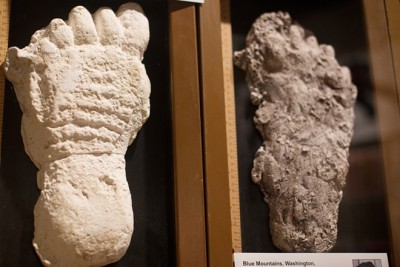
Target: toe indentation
[
  {"x": 135, "y": 25},
  {"x": 60, "y": 34},
  {"x": 108, "y": 26},
  {"x": 82, "y": 26}
]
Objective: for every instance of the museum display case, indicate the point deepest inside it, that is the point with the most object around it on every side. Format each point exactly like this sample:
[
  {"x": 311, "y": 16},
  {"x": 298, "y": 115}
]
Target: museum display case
[{"x": 189, "y": 169}]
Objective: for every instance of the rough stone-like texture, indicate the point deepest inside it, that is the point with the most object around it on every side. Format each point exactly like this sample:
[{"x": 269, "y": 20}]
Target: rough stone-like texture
[
  {"x": 305, "y": 116},
  {"x": 84, "y": 93}
]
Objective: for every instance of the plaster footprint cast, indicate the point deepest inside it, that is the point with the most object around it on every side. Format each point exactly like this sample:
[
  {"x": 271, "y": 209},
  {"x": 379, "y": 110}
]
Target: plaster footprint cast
[
  {"x": 305, "y": 116},
  {"x": 84, "y": 94}
]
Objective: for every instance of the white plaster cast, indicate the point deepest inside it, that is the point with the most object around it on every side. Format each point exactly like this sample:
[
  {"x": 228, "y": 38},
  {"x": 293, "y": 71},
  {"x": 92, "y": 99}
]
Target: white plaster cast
[
  {"x": 305, "y": 115},
  {"x": 84, "y": 93}
]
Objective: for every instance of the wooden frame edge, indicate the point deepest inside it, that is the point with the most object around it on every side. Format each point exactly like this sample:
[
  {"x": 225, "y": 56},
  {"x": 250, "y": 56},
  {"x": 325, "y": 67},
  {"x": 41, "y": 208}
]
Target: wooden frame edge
[
  {"x": 4, "y": 24},
  {"x": 219, "y": 136},
  {"x": 393, "y": 19},
  {"x": 187, "y": 137},
  {"x": 230, "y": 113},
  {"x": 383, "y": 62}
]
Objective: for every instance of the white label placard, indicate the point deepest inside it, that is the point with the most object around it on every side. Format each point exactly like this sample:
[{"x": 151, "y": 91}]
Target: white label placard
[
  {"x": 311, "y": 259},
  {"x": 192, "y": 1}
]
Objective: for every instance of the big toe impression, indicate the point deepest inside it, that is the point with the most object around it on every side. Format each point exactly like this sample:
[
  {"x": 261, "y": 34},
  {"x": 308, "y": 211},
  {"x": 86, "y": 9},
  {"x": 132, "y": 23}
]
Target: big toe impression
[{"x": 136, "y": 29}]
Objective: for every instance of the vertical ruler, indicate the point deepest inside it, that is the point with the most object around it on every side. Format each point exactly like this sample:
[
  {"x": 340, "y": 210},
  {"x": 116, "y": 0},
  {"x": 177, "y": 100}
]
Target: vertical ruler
[
  {"x": 4, "y": 25},
  {"x": 226, "y": 37}
]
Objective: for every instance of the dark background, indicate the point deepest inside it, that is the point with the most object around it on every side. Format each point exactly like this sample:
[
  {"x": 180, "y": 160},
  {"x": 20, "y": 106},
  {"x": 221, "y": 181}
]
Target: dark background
[
  {"x": 148, "y": 159},
  {"x": 362, "y": 226}
]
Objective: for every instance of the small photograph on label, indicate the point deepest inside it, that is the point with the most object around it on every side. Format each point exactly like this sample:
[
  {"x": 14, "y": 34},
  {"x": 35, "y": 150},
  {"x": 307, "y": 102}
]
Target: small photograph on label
[{"x": 367, "y": 263}]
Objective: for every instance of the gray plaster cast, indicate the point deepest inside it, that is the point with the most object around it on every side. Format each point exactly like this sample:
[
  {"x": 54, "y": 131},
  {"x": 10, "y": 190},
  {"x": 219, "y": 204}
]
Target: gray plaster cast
[
  {"x": 84, "y": 93},
  {"x": 305, "y": 116}
]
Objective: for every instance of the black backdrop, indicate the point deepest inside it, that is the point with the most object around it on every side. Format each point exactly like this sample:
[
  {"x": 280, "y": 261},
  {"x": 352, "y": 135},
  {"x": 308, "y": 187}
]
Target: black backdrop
[
  {"x": 148, "y": 159},
  {"x": 363, "y": 225}
]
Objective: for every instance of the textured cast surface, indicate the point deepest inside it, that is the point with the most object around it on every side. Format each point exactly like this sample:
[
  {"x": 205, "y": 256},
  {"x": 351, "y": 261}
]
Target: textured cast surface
[
  {"x": 305, "y": 116},
  {"x": 84, "y": 94}
]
